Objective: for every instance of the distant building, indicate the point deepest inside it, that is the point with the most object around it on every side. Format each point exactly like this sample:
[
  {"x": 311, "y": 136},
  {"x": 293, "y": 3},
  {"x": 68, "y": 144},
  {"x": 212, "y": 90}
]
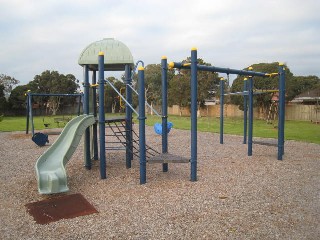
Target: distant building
[
  {"x": 212, "y": 100},
  {"x": 310, "y": 97}
]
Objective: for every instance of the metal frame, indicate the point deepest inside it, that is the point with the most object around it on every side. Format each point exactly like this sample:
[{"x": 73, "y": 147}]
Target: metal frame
[
  {"x": 194, "y": 67},
  {"x": 29, "y": 113},
  {"x": 248, "y": 93}
]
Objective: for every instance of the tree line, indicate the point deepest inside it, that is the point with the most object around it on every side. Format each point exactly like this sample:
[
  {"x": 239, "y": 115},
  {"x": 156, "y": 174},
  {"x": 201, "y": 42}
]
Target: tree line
[
  {"x": 46, "y": 82},
  {"x": 295, "y": 85},
  {"x": 178, "y": 88}
]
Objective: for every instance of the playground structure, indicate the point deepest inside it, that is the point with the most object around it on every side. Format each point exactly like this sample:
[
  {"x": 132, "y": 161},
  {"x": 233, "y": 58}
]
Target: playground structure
[
  {"x": 119, "y": 58},
  {"x": 164, "y": 157},
  {"x": 277, "y": 107},
  {"x": 194, "y": 67},
  {"x": 50, "y": 170}
]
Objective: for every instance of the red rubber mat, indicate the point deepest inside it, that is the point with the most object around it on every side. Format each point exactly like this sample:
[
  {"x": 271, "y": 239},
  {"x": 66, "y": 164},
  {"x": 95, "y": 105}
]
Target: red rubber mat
[{"x": 63, "y": 207}]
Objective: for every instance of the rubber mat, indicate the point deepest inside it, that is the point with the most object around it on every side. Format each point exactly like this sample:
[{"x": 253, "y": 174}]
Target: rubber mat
[{"x": 63, "y": 207}]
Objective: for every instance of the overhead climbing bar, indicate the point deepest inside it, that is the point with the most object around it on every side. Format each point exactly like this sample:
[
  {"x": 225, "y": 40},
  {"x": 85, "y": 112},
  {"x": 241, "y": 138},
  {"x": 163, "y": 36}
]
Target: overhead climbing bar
[{"x": 217, "y": 69}]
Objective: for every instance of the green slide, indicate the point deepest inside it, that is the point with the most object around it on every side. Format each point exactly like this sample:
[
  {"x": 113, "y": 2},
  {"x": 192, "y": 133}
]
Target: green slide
[{"x": 50, "y": 167}]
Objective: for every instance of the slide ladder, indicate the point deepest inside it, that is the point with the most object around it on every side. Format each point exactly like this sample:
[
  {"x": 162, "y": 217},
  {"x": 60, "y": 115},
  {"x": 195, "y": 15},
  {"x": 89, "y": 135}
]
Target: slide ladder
[
  {"x": 117, "y": 129},
  {"x": 153, "y": 156},
  {"x": 50, "y": 167}
]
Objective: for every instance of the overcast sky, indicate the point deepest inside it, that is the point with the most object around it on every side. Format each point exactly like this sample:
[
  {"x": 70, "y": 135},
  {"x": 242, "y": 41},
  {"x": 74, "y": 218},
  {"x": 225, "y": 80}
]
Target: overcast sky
[{"x": 39, "y": 35}]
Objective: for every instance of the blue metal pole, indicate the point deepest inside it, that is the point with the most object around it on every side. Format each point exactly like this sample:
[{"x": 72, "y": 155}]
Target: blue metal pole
[
  {"x": 79, "y": 104},
  {"x": 31, "y": 114},
  {"x": 218, "y": 69},
  {"x": 142, "y": 126},
  {"x": 95, "y": 126},
  {"x": 86, "y": 86},
  {"x": 194, "y": 102},
  {"x": 281, "y": 119},
  {"x": 129, "y": 144},
  {"x": 245, "y": 110},
  {"x": 250, "y": 129},
  {"x": 164, "y": 75},
  {"x": 27, "y": 112},
  {"x": 102, "y": 123},
  {"x": 221, "y": 108}
]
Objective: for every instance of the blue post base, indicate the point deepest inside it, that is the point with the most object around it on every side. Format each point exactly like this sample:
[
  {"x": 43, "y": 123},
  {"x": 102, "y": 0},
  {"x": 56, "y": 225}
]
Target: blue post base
[{"x": 193, "y": 171}]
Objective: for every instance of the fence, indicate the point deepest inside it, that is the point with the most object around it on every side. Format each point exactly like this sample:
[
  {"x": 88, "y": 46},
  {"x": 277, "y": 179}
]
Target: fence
[
  {"x": 293, "y": 112},
  {"x": 303, "y": 112}
]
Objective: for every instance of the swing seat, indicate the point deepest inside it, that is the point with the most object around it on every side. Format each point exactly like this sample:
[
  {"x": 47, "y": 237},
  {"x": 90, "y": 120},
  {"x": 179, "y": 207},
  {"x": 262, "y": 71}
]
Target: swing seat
[{"x": 40, "y": 139}]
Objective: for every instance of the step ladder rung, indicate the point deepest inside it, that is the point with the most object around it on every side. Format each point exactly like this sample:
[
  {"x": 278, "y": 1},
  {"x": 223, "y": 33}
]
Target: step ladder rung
[
  {"x": 168, "y": 158},
  {"x": 115, "y": 148}
]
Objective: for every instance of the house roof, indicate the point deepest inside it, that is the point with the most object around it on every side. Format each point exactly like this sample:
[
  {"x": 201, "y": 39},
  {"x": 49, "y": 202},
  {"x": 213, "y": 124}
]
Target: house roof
[{"x": 308, "y": 96}]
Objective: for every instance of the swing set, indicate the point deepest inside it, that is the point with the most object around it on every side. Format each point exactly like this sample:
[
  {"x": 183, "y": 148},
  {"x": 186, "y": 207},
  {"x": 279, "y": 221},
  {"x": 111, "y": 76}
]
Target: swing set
[{"x": 42, "y": 138}]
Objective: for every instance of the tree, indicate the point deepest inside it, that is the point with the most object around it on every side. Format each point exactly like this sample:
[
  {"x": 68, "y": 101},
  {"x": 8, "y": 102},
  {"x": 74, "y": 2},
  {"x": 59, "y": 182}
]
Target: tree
[
  {"x": 112, "y": 99},
  {"x": 8, "y": 83},
  {"x": 17, "y": 99},
  {"x": 207, "y": 81},
  {"x": 153, "y": 82},
  {"x": 3, "y": 101},
  {"x": 179, "y": 86},
  {"x": 300, "y": 84},
  {"x": 54, "y": 82},
  {"x": 179, "y": 91},
  {"x": 262, "y": 101}
]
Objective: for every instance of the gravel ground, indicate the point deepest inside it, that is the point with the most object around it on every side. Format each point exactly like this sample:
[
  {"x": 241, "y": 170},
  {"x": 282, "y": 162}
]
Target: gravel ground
[{"x": 235, "y": 197}]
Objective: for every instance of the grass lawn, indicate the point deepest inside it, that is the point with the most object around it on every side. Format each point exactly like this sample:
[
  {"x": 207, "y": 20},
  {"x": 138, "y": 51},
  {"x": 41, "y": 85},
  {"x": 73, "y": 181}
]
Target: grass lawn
[{"x": 294, "y": 130}]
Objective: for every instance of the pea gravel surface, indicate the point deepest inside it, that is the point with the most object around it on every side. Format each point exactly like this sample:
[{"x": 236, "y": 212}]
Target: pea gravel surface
[{"x": 235, "y": 197}]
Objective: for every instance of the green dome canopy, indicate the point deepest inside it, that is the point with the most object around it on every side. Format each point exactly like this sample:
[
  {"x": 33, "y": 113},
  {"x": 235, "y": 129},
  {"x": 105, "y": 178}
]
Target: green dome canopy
[{"x": 116, "y": 55}]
